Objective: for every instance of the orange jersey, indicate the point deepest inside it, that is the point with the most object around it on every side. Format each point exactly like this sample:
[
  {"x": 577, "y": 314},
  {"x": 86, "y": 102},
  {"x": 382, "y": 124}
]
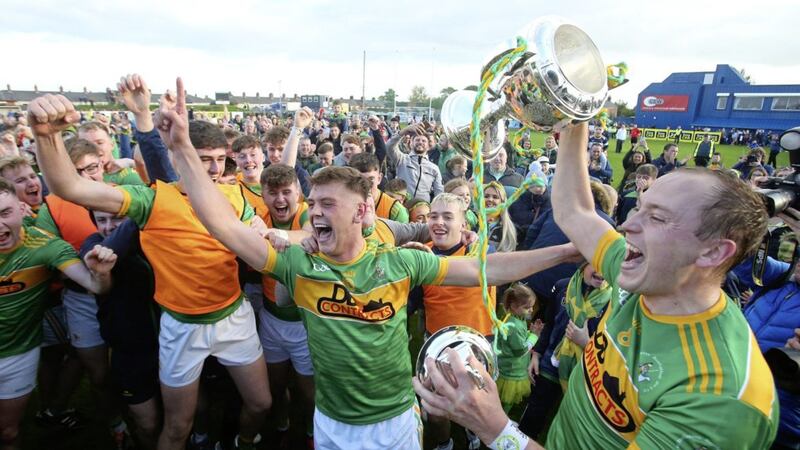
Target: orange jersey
[
  {"x": 194, "y": 273},
  {"x": 268, "y": 284},
  {"x": 383, "y": 206},
  {"x": 73, "y": 221},
  {"x": 255, "y": 199},
  {"x": 456, "y": 305}
]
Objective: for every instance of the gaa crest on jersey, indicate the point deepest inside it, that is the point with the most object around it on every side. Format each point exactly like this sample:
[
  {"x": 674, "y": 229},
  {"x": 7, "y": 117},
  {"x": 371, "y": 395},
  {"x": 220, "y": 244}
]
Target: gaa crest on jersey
[
  {"x": 649, "y": 372},
  {"x": 610, "y": 387}
]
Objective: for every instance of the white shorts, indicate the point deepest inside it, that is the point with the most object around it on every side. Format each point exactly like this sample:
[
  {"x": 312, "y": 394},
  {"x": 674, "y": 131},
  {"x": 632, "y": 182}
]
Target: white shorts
[
  {"x": 54, "y": 327},
  {"x": 403, "y": 432},
  {"x": 283, "y": 341},
  {"x": 18, "y": 374},
  {"x": 254, "y": 292},
  {"x": 84, "y": 329},
  {"x": 183, "y": 347}
]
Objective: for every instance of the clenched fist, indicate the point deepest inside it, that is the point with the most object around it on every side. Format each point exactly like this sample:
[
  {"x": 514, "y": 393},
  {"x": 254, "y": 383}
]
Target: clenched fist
[{"x": 51, "y": 114}]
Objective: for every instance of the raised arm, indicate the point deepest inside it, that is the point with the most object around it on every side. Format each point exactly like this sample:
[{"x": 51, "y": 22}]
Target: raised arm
[
  {"x": 392, "y": 151},
  {"x": 302, "y": 119},
  {"x": 136, "y": 96},
  {"x": 375, "y": 130},
  {"x": 503, "y": 268},
  {"x": 213, "y": 210},
  {"x": 49, "y": 115},
  {"x": 573, "y": 206}
]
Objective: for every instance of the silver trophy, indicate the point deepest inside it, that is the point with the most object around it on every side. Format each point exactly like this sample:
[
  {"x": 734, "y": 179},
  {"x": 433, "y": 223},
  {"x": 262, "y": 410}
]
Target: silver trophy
[
  {"x": 465, "y": 341},
  {"x": 561, "y": 76}
]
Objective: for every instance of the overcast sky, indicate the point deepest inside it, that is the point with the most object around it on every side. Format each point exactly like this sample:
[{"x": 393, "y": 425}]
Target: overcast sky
[{"x": 315, "y": 46}]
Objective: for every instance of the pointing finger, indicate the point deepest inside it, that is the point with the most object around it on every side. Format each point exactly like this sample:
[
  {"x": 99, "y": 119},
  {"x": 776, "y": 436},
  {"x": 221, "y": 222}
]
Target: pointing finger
[{"x": 180, "y": 106}]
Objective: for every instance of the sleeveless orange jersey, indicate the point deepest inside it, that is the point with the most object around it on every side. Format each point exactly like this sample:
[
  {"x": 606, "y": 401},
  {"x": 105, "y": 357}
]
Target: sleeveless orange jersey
[
  {"x": 456, "y": 305},
  {"x": 268, "y": 284},
  {"x": 383, "y": 206},
  {"x": 194, "y": 273},
  {"x": 255, "y": 200},
  {"x": 73, "y": 221}
]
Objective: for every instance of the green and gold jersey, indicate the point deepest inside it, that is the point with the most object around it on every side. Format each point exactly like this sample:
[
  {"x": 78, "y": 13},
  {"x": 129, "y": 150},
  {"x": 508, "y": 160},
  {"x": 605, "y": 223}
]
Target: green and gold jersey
[
  {"x": 680, "y": 382},
  {"x": 355, "y": 314},
  {"x": 123, "y": 177},
  {"x": 26, "y": 272}
]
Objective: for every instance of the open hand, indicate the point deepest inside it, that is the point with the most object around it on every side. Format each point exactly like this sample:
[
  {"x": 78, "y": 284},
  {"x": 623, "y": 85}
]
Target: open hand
[{"x": 135, "y": 94}]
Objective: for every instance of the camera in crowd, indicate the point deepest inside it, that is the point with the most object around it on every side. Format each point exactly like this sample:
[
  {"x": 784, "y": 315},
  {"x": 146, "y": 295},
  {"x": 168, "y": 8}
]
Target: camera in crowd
[{"x": 783, "y": 192}]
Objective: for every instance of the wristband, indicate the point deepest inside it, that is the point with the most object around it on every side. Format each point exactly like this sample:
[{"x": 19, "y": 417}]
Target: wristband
[
  {"x": 510, "y": 438},
  {"x": 280, "y": 233}
]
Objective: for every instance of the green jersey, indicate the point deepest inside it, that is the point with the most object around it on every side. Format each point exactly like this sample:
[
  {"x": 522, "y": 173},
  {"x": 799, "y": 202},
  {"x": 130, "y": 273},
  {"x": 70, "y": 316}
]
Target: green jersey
[
  {"x": 123, "y": 177},
  {"x": 355, "y": 315},
  {"x": 652, "y": 381},
  {"x": 26, "y": 272}
]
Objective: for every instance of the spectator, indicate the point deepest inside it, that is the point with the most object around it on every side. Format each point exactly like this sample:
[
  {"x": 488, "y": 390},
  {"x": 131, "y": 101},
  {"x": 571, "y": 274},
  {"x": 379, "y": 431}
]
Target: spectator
[
  {"x": 397, "y": 189},
  {"x": 324, "y": 155},
  {"x": 716, "y": 162},
  {"x": 621, "y": 136},
  {"x": 499, "y": 171},
  {"x": 645, "y": 176},
  {"x": 456, "y": 168},
  {"x": 668, "y": 161},
  {"x": 501, "y": 230},
  {"x": 703, "y": 151},
  {"x": 598, "y": 137},
  {"x": 351, "y": 145},
  {"x": 530, "y": 206},
  {"x": 306, "y": 157},
  {"x": 418, "y": 211},
  {"x": 420, "y": 174},
  {"x": 773, "y": 312},
  {"x": 463, "y": 189},
  {"x": 599, "y": 168},
  {"x": 634, "y": 162}
]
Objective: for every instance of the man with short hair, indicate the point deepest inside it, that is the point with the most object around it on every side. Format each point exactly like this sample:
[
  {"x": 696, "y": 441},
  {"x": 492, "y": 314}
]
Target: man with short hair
[
  {"x": 598, "y": 137},
  {"x": 673, "y": 361},
  {"x": 621, "y": 137},
  {"x": 18, "y": 171},
  {"x": 668, "y": 161},
  {"x": 325, "y": 155},
  {"x": 385, "y": 206},
  {"x": 31, "y": 260},
  {"x": 276, "y": 140},
  {"x": 207, "y": 315},
  {"x": 352, "y": 295},
  {"x": 351, "y": 145},
  {"x": 116, "y": 171},
  {"x": 281, "y": 331},
  {"x": 249, "y": 157},
  {"x": 500, "y": 171},
  {"x": 422, "y": 176},
  {"x": 306, "y": 157}
]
